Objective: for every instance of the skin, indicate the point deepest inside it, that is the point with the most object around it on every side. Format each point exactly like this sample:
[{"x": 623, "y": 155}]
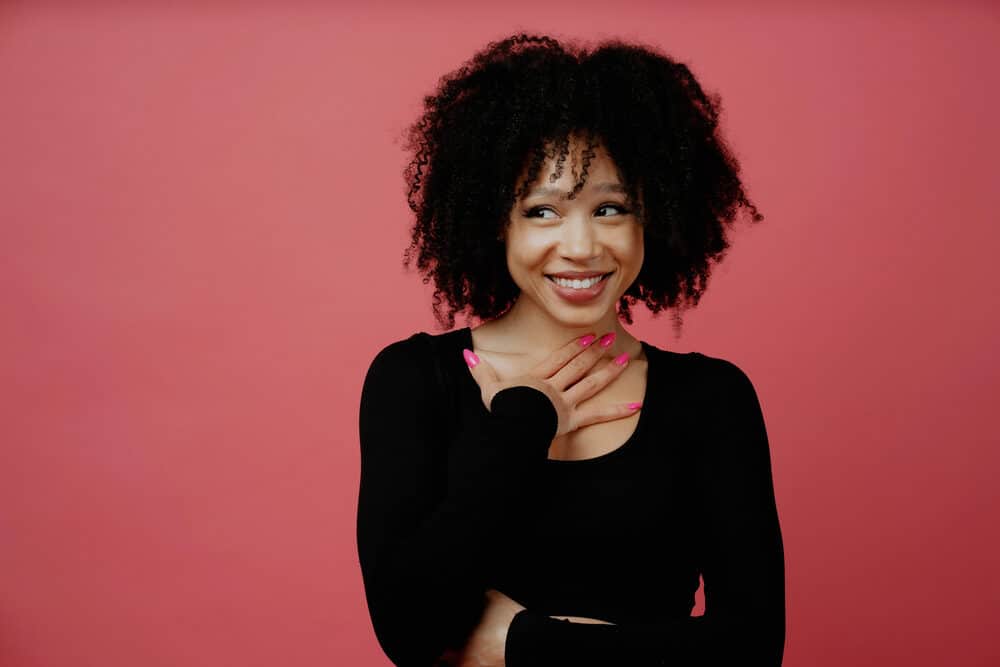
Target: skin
[{"x": 535, "y": 342}]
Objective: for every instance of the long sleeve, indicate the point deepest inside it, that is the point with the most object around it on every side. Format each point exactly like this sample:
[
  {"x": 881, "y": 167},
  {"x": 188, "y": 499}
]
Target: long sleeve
[
  {"x": 740, "y": 549},
  {"x": 428, "y": 519}
]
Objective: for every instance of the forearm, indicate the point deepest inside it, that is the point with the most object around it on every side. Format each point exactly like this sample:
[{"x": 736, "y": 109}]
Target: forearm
[{"x": 424, "y": 532}]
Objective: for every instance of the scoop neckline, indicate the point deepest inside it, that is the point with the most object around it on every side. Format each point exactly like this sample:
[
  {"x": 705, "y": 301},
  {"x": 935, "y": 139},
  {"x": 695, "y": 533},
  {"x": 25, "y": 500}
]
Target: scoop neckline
[{"x": 629, "y": 442}]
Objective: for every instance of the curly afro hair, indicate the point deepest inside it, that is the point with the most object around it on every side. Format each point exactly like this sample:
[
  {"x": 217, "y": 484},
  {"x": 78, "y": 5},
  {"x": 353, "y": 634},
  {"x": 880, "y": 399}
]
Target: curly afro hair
[{"x": 495, "y": 117}]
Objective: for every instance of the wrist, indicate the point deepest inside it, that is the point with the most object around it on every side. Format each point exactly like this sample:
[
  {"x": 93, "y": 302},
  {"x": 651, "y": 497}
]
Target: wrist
[{"x": 533, "y": 640}]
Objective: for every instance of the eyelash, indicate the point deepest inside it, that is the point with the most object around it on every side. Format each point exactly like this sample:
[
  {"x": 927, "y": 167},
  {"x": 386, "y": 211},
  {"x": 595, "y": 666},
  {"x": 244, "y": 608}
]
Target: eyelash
[{"x": 530, "y": 213}]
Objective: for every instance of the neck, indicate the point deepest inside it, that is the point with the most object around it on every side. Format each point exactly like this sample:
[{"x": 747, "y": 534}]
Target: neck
[{"x": 528, "y": 327}]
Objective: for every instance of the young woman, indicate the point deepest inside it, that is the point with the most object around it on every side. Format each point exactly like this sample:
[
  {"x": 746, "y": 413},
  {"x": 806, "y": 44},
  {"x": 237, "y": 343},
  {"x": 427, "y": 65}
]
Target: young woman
[{"x": 544, "y": 488}]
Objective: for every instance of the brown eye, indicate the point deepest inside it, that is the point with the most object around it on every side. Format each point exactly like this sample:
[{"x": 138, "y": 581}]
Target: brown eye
[
  {"x": 621, "y": 209},
  {"x": 531, "y": 213}
]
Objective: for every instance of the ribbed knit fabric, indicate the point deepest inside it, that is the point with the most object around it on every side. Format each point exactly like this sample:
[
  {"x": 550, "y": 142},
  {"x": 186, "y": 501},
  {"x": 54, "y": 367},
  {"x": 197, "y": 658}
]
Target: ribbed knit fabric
[{"x": 455, "y": 499}]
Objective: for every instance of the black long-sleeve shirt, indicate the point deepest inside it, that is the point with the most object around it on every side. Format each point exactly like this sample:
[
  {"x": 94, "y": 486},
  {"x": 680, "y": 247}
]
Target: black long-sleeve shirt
[{"x": 455, "y": 499}]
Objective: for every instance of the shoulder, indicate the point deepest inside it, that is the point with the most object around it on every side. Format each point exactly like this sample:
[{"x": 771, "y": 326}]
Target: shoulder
[
  {"x": 698, "y": 370},
  {"x": 406, "y": 350},
  {"x": 415, "y": 358},
  {"x": 418, "y": 348},
  {"x": 405, "y": 361},
  {"x": 716, "y": 385},
  {"x": 726, "y": 400},
  {"x": 716, "y": 372},
  {"x": 410, "y": 375}
]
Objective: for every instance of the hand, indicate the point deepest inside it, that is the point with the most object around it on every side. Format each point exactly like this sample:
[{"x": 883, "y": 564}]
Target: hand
[
  {"x": 567, "y": 365},
  {"x": 485, "y": 645},
  {"x": 583, "y": 619}
]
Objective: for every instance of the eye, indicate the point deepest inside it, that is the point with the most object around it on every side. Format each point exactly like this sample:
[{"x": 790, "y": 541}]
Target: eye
[
  {"x": 531, "y": 213},
  {"x": 621, "y": 209},
  {"x": 534, "y": 212}
]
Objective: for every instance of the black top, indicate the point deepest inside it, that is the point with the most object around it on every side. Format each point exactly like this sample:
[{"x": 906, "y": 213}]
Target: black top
[{"x": 455, "y": 499}]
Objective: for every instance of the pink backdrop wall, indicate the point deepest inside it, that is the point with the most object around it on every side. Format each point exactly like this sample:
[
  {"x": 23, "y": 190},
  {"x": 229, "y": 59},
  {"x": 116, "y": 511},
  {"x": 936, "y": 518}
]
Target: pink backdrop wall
[{"x": 202, "y": 227}]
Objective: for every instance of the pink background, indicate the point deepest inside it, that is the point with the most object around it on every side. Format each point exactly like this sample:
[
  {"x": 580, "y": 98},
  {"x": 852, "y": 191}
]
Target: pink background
[{"x": 203, "y": 220}]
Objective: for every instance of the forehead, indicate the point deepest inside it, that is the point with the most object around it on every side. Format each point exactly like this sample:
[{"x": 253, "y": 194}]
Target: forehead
[
  {"x": 593, "y": 184},
  {"x": 602, "y": 173}
]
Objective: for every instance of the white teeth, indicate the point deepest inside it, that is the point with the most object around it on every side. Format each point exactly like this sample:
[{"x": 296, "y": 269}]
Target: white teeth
[{"x": 577, "y": 284}]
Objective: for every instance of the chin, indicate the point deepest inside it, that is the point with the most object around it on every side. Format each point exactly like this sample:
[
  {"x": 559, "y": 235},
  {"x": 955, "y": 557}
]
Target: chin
[{"x": 581, "y": 316}]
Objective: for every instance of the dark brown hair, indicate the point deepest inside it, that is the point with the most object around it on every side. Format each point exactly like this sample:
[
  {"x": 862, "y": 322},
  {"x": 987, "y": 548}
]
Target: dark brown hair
[{"x": 494, "y": 116}]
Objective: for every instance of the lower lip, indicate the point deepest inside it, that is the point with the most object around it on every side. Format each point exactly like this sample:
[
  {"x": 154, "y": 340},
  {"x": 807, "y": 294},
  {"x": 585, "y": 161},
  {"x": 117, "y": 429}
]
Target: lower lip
[{"x": 579, "y": 295}]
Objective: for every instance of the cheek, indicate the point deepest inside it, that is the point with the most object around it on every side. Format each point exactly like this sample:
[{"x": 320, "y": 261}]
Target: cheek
[
  {"x": 629, "y": 250},
  {"x": 527, "y": 254},
  {"x": 640, "y": 255},
  {"x": 638, "y": 245}
]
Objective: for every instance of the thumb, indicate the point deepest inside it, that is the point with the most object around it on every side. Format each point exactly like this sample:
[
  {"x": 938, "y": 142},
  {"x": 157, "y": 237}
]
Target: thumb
[{"x": 484, "y": 374}]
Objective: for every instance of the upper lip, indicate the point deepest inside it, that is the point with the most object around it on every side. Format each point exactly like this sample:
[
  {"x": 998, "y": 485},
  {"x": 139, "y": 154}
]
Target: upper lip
[{"x": 577, "y": 274}]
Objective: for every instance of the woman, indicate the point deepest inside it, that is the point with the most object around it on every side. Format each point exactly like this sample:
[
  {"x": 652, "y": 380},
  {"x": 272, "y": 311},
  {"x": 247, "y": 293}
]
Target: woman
[{"x": 544, "y": 488}]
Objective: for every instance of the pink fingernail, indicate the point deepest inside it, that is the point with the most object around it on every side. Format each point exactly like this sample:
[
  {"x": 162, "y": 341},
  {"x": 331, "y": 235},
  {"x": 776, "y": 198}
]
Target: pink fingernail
[
  {"x": 621, "y": 359},
  {"x": 587, "y": 340},
  {"x": 607, "y": 339},
  {"x": 470, "y": 357},
  {"x": 634, "y": 406}
]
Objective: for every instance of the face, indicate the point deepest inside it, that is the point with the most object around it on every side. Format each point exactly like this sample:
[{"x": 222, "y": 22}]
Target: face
[{"x": 594, "y": 233}]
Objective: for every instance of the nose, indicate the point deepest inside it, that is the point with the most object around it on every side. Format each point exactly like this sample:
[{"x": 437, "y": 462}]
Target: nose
[{"x": 579, "y": 242}]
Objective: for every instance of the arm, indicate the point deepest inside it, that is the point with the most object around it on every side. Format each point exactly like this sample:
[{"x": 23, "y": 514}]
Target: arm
[
  {"x": 427, "y": 524},
  {"x": 740, "y": 549}
]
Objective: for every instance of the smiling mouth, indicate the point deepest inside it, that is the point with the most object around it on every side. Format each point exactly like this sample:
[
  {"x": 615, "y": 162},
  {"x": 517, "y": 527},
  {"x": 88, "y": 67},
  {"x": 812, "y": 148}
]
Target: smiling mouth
[{"x": 602, "y": 279}]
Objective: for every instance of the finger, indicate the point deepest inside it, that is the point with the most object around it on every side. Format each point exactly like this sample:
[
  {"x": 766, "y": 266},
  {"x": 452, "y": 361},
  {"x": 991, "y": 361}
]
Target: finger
[
  {"x": 583, "y": 619},
  {"x": 597, "y": 381},
  {"x": 606, "y": 413},
  {"x": 548, "y": 366},
  {"x": 482, "y": 372},
  {"x": 581, "y": 364}
]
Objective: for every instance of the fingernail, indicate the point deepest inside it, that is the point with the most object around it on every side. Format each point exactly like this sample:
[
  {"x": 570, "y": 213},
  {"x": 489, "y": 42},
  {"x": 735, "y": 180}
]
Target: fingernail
[
  {"x": 607, "y": 339},
  {"x": 634, "y": 406},
  {"x": 587, "y": 340},
  {"x": 622, "y": 359},
  {"x": 470, "y": 357}
]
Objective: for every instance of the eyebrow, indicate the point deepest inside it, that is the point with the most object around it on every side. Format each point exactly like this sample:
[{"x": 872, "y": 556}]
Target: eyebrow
[{"x": 552, "y": 190}]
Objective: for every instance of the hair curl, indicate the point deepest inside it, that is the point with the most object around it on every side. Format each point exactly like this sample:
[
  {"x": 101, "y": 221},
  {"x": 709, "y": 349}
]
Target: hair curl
[{"x": 494, "y": 116}]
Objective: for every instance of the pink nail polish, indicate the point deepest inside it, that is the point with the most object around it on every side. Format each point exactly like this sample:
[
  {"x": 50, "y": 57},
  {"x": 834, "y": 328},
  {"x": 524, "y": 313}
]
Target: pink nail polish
[
  {"x": 587, "y": 340},
  {"x": 607, "y": 339},
  {"x": 470, "y": 357},
  {"x": 621, "y": 359},
  {"x": 634, "y": 406}
]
